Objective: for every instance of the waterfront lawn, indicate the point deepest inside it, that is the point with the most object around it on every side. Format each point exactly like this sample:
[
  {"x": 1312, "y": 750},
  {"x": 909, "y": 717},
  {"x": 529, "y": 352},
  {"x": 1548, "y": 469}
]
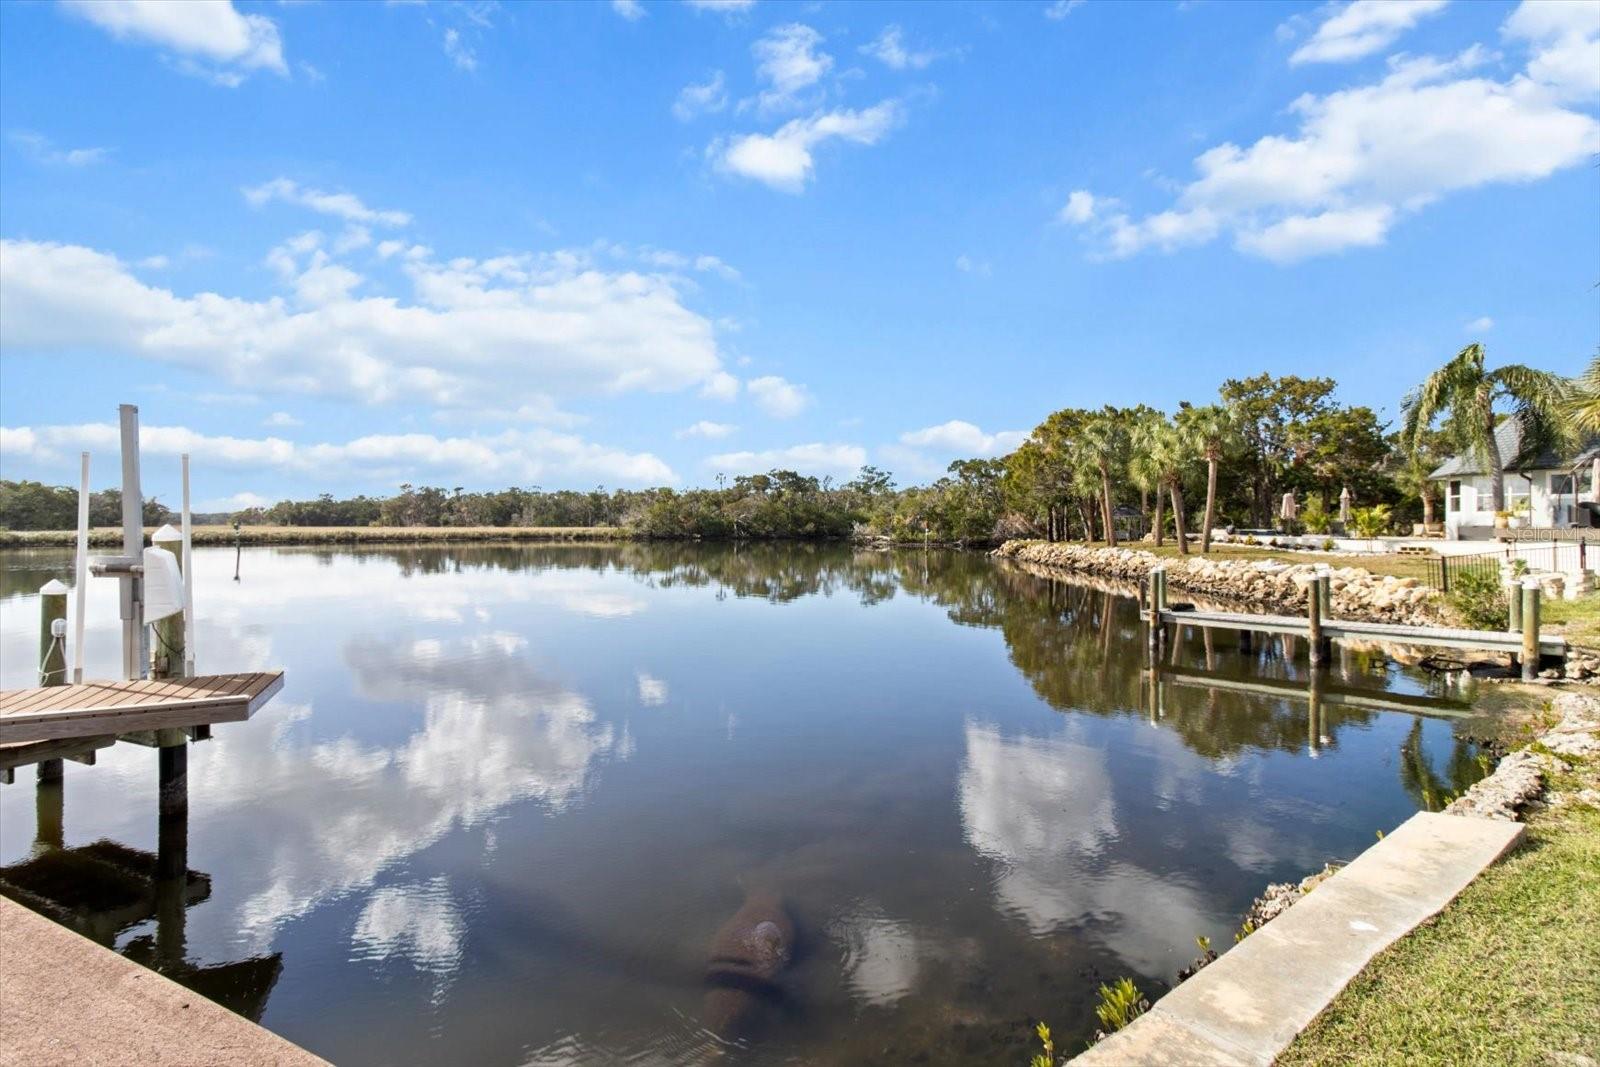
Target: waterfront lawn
[
  {"x": 1579, "y": 620},
  {"x": 1508, "y": 973}
]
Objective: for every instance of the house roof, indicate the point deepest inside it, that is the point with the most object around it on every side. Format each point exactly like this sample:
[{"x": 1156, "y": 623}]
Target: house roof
[{"x": 1508, "y": 435}]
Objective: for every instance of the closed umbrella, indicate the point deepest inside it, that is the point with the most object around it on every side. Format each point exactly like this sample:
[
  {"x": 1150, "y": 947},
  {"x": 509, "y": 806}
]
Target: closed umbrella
[
  {"x": 1290, "y": 509},
  {"x": 1344, "y": 506}
]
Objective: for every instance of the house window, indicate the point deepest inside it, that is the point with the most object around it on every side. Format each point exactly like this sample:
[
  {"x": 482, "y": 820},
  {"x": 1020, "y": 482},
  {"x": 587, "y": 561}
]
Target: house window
[
  {"x": 1452, "y": 498},
  {"x": 1517, "y": 494}
]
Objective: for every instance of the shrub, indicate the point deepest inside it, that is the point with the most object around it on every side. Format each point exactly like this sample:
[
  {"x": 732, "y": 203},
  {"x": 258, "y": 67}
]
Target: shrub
[
  {"x": 1478, "y": 601},
  {"x": 1315, "y": 517},
  {"x": 1120, "y": 1004},
  {"x": 1370, "y": 522}
]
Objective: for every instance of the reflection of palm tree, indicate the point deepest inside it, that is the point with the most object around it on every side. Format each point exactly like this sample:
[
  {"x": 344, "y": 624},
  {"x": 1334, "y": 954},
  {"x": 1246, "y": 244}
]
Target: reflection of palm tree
[{"x": 1430, "y": 790}]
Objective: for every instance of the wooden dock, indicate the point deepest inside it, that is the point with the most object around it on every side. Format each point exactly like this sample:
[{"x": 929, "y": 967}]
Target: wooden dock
[
  {"x": 99, "y": 709},
  {"x": 1522, "y": 641},
  {"x": 1393, "y": 633}
]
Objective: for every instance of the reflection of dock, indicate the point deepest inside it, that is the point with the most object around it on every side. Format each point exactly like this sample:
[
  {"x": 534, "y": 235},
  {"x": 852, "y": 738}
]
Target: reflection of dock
[{"x": 1315, "y": 691}]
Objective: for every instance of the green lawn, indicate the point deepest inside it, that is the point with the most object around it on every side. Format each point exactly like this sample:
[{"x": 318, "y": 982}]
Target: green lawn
[
  {"x": 1578, "y": 620},
  {"x": 1509, "y": 973}
]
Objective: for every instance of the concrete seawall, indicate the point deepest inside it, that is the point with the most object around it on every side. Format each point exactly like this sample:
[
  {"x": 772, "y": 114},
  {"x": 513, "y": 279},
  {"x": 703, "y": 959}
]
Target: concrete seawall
[{"x": 66, "y": 1000}]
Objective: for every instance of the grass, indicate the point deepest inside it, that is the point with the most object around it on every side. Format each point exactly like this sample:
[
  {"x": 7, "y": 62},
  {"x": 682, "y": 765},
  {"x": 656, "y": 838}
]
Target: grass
[
  {"x": 1391, "y": 563},
  {"x": 316, "y": 535},
  {"x": 1508, "y": 973},
  {"x": 1578, "y": 620}
]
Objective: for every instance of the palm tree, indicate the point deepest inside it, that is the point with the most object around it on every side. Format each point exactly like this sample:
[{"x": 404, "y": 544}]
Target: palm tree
[
  {"x": 1210, "y": 429},
  {"x": 1465, "y": 394},
  {"x": 1142, "y": 469},
  {"x": 1104, "y": 439},
  {"x": 1583, "y": 401},
  {"x": 1169, "y": 455}
]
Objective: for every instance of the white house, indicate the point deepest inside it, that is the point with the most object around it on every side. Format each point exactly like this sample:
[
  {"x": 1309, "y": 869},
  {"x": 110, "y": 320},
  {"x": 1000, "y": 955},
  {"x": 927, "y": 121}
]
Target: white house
[{"x": 1542, "y": 491}]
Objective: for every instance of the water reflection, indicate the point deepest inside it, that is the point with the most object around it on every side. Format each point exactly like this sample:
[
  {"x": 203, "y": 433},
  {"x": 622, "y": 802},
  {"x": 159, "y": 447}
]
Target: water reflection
[{"x": 511, "y": 794}]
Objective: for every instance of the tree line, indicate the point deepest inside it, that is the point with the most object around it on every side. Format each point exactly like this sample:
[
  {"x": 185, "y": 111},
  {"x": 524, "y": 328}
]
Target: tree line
[{"x": 1100, "y": 474}]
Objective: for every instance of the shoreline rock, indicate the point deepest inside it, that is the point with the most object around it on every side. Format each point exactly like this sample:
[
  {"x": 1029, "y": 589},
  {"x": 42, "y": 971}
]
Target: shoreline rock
[{"x": 1270, "y": 584}]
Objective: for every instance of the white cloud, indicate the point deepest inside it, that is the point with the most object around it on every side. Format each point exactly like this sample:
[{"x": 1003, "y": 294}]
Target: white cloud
[
  {"x": 508, "y": 457},
  {"x": 777, "y": 397},
  {"x": 889, "y": 48},
  {"x": 701, "y": 98},
  {"x": 1481, "y": 324},
  {"x": 814, "y": 458},
  {"x": 964, "y": 439},
  {"x": 788, "y": 60},
  {"x": 652, "y": 691},
  {"x": 784, "y": 161},
  {"x": 237, "y": 502},
  {"x": 157, "y": 262},
  {"x": 967, "y": 265},
  {"x": 41, "y": 149},
  {"x": 725, "y": 8},
  {"x": 1567, "y": 38},
  {"x": 1364, "y": 157},
  {"x": 208, "y": 38},
  {"x": 509, "y": 330},
  {"x": 1060, "y": 9},
  {"x": 706, "y": 429},
  {"x": 631, "y": 10},
  {"x": 1361, "y": 28},
  {"x": 1079, "y": 208},
  {"x": 460, "y": 53},
  {"x": 1303, "y": 236},
  {"x": 720, "y": 386},
  {"x": 281, "y": 420},
  {"x": 346, "y": 206}
]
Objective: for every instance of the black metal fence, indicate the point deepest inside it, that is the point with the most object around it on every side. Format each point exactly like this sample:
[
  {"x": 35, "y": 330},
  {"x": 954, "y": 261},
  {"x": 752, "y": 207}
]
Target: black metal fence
[{"x": 1443, "y": 571}]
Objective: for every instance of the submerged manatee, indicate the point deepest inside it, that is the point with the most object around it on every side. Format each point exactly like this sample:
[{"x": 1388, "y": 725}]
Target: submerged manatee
[{"x": 748, "y": 954}]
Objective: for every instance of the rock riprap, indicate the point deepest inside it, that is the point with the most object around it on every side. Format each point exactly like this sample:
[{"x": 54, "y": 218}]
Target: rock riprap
[{"x": 1270, "y": 585}]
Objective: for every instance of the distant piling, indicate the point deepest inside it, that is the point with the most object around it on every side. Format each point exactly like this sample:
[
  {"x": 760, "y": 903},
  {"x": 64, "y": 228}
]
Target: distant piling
[{"x": 52, "y": 654}]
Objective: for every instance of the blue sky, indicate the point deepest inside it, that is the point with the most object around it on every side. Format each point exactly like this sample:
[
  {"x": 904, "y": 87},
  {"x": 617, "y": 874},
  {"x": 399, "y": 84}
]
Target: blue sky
[{"x": 334, "y": 247}]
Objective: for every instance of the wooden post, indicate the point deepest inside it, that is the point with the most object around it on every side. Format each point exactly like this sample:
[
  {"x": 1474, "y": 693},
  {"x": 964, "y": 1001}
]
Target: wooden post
[
  {"x": 167, "y": 650},
  {"x": 1530, "y": 630},
  {"x": 1314, "y": 621},
  {"x": 1325, "y": 580},
  {"x": 1151, "y": 619},
  {"x": 1159, "y": 602},
  {"x": 52, "y": 654},
  {"x": 1514, "y": 612},
  {"x": 53, "y": 637}
]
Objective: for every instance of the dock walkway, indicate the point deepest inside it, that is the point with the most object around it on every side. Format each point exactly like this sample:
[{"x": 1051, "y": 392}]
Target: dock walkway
[{"x": 92, "y": 709}]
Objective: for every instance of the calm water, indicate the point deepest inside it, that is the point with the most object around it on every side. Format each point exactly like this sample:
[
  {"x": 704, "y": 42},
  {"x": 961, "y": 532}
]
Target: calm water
[{"x": 508, "y": 795}]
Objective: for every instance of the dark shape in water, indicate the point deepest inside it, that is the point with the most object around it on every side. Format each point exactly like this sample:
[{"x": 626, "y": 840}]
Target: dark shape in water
[{"x": 748, "y": 954}]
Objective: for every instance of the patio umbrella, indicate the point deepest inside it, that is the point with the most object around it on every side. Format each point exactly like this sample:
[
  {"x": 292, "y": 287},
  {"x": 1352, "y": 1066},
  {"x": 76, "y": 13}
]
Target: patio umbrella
[
  {"x": 1344, "y": 505},
  {"x": 1289, "y": 509}
]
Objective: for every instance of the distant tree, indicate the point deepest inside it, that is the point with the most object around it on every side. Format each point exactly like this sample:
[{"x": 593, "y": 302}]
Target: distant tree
[{"x": 1464, "y": 392}]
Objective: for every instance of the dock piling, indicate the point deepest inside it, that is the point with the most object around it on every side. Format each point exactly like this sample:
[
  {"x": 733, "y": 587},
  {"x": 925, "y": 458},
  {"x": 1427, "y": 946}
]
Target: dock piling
[
  {"x": 1530, "y": 630},
  {"x": 167, "y": 652},
  {"x": 1314, "y": 645},
  {"x": 52, "y": 655}
]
